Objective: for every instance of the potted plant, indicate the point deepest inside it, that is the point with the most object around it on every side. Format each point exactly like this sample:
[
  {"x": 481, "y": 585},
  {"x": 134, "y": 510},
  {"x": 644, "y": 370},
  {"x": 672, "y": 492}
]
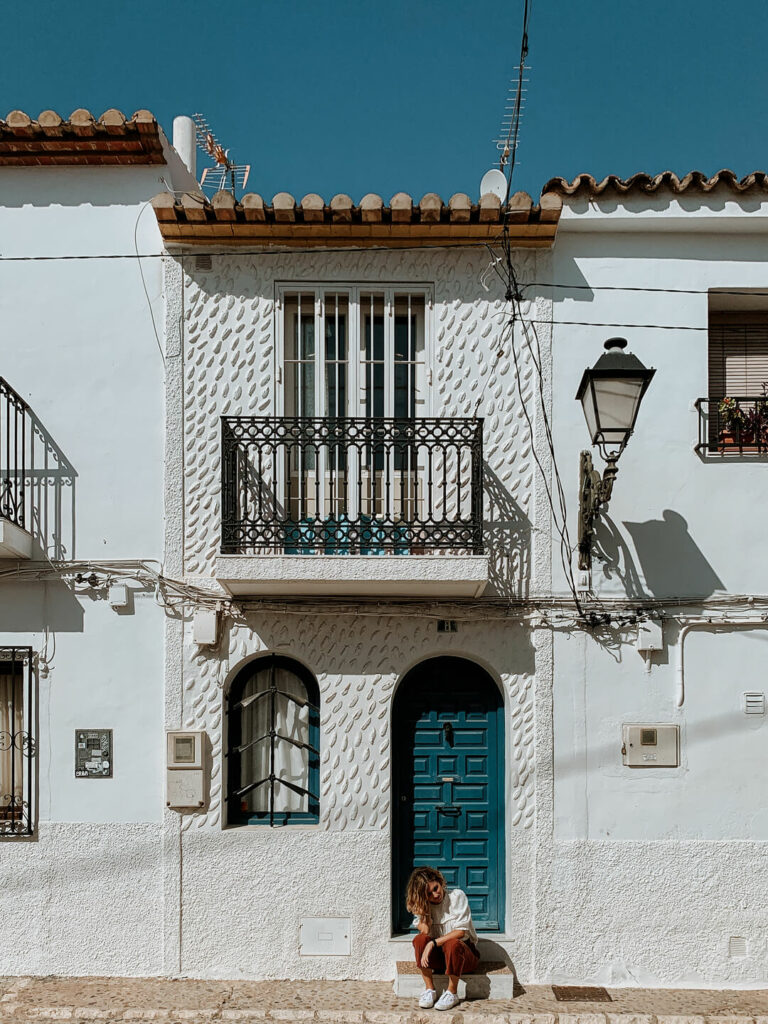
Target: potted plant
[{"x": 734, "y": 422}]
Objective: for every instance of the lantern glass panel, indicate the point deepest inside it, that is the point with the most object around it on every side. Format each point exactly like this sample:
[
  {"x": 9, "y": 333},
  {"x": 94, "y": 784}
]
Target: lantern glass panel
[{"x": 617, "y": 402}]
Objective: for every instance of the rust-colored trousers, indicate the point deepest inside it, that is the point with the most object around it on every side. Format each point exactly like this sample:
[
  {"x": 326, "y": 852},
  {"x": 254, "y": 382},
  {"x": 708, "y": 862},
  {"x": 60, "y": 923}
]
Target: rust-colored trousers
[{"x": 454, "y": 957}]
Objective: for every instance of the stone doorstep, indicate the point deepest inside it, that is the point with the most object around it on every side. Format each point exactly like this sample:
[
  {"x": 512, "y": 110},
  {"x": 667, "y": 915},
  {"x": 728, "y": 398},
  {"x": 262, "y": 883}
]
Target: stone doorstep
[{"x": 492, "y": 979}]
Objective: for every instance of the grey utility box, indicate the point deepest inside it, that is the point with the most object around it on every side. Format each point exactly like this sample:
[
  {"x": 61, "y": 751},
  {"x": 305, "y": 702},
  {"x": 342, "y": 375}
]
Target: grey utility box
[
  {"x": 185, "y": 769},
  {"x": 650, "y": 746}
]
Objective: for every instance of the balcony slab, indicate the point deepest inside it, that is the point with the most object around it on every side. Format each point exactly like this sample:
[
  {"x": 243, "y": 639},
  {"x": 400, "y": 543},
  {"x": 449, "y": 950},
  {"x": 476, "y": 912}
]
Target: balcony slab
[
  {"x": 14, "y": 542},
  {"x": 353, "y": 575}
]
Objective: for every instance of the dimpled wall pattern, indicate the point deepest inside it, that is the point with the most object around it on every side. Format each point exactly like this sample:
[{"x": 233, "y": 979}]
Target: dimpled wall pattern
[
  {"x": 229, "y": 370},
  {"x": 358, "y": 661}
]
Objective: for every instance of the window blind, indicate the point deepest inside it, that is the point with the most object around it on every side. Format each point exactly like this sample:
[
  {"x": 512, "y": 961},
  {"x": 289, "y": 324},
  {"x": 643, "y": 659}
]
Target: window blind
[{"x": 738, "y": 354}]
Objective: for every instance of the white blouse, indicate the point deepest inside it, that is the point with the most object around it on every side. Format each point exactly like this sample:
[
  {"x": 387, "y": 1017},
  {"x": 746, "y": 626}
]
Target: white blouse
[{"x": 451, "y": 914}]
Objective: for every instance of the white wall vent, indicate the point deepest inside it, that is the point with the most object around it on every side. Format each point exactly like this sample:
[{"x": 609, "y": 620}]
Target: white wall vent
[
  {"x": 737, "y": 946},
  {"x": 754, "y": 703}
]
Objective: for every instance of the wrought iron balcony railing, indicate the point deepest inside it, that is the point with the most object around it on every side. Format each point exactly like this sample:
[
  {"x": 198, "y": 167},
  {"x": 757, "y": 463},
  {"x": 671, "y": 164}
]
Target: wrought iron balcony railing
[
  {"x": 350, "y": 485},
  {"x": 15, "y": 439},
  {"x": 733, "y": 425}
]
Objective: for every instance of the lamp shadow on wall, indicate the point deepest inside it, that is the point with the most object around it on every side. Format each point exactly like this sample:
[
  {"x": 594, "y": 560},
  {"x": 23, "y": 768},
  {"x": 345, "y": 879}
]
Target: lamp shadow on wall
[
  {"x": 671, "y": 564},
  {"x": 507, "y": 534},
  {"x": 671, "y": 560}
]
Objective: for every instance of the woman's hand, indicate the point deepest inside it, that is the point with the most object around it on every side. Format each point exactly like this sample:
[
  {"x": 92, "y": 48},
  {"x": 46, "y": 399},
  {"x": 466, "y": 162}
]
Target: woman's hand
[{"x": 425, "y": 954}]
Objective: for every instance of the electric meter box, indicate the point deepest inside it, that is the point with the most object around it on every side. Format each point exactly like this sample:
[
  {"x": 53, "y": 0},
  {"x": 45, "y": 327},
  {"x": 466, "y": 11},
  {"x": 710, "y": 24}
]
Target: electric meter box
[
  {"x": 651, "y": 746},
  {"x": 185, "y": 769}
]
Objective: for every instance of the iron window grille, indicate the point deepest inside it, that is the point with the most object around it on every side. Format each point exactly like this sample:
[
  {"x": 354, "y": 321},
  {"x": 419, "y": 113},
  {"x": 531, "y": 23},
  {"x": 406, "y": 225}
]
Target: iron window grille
[
  {"x": 273, "y": 750},
  {"x": 733, "y": 425},
  {"x": 18, "y": 747},
  {"x": 351, "y": 485}
]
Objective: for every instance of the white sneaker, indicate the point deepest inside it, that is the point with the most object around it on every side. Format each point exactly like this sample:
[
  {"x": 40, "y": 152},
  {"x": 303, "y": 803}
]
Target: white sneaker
[
  {"x": 427, "y": 999},
  {"x": 447, "y": 1001}
]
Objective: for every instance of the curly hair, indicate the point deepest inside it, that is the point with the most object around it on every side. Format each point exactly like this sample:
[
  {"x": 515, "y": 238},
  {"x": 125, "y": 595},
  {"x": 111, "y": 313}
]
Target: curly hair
[{"x": 416, "y": 891}]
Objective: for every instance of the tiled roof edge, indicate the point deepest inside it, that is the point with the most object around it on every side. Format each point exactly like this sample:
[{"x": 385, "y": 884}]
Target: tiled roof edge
[
  {"x": 645, "y": 184},
  {"x": 80, "y": 138},
  {"x": 402, "y": 209}
]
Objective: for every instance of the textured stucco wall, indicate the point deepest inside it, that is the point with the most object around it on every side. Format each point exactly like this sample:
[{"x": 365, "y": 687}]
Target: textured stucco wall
[
  {"x": 223, "y": 888},
  {"x": 82, "y": 899},
  {"x": 228, "y": 369},
  {"x": 288, "y": 873}
]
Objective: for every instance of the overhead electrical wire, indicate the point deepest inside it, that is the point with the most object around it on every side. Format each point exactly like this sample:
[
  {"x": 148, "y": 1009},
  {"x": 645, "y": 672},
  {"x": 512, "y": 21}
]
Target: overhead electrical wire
[{"x": 513, "y": 295}]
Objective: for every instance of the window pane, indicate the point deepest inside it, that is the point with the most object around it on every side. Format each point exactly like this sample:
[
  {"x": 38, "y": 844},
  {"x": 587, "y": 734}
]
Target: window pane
[
  {"x": 336, "y": 310},
  {"x": 299, "y": 342},
  {"x": 410, "y": 369},
  {"x": 11, "y": 735},
  {"x": 372, "y": 365},
  {"x": 291, "y": 722}
]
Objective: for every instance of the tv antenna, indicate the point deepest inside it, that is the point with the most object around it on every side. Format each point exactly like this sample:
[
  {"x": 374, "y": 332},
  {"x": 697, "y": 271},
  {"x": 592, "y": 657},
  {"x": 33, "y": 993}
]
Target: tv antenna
[
  {"x": 507, "y": 141},
  {"x": 225, "y": 173}
]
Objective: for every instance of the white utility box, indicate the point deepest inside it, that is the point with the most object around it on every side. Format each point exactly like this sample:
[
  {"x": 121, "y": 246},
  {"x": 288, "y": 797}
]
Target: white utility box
[
  {"x": 185, "y": 769},
  {"x": 118, "y": 595},
  {"x": 205, "y": 627},
  {"x": 651, "y": 746},
  {"x": 325, "y": 936},
  {"x": 650, "y": 636}
]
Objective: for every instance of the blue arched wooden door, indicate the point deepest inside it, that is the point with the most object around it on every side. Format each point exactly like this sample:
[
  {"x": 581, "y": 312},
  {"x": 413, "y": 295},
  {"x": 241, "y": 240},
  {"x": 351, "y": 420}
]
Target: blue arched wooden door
[{"x": 448, "y": 785}]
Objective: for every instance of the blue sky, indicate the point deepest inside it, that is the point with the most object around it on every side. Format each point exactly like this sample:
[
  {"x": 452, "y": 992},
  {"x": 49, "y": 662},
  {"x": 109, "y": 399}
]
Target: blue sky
[{"x": 378, "y": 96}]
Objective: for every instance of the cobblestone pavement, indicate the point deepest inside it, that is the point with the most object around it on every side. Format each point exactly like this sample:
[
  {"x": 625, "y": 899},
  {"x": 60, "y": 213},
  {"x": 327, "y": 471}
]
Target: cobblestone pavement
[{"x": 81, "y": 1000}]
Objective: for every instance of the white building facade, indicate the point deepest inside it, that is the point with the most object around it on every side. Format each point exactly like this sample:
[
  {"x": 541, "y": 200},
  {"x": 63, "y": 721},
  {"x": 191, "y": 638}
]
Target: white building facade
[
  {"x": 657, "y": 874},
  {"x": 81, "y": 665},
  {"x": 295, "y": 578}
]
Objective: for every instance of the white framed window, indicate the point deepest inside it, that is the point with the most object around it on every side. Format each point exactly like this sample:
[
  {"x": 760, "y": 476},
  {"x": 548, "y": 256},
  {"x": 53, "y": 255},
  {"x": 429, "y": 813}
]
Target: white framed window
[{"x": 353, "y": 350}]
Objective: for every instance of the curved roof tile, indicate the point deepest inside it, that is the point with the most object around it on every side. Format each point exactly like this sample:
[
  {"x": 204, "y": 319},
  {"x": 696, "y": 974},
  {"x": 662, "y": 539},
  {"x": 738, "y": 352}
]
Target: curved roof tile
[
  {"x": 110, "y": 139},
  {"x": 196, "y": 219},
  {"x": 645, "y": 184}
]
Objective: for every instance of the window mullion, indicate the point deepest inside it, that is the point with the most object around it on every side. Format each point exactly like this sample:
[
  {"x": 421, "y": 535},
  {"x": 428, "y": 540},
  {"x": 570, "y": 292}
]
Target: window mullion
[{"x": 320, "y": 409}]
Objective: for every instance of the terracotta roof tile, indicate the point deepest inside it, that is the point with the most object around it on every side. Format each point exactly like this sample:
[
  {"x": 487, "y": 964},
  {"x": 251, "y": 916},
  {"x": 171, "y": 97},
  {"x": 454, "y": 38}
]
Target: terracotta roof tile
[
  {"x": 198, "y": 220},
  {"x": 645, "y": 184},
  {"x": 81, "y": 139}
]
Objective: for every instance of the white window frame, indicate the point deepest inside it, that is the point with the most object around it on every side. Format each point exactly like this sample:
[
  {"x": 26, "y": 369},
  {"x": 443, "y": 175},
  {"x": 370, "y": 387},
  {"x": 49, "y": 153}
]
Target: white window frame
[{"x": 353, "y": 290}]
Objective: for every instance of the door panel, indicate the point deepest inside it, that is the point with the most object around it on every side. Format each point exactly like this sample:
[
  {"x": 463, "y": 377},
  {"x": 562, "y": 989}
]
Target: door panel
[{"x": 448, "y": 785}]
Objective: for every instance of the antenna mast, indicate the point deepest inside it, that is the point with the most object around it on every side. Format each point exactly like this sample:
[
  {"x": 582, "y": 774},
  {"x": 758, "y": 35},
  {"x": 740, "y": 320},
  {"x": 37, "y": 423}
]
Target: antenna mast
[{"x": 225, "y": 173}]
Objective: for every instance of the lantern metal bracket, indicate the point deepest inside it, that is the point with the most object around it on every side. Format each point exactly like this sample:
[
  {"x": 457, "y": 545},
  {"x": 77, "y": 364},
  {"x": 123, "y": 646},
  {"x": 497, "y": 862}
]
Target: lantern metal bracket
[{"x": 594, "y": 495}]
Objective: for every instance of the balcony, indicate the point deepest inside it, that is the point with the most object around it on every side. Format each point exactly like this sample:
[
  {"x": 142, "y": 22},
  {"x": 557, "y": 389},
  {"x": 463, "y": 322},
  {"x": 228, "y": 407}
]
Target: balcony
[
  {"x": 733, "y": 426},
  {"x": 16, "y": 441},
  {"x": 350, "y": 505}
]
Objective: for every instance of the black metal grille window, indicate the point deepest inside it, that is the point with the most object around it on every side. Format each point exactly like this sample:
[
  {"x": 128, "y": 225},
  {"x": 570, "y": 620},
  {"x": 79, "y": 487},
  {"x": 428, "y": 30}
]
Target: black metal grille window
[
  {"x": 733, "y": 425},
  {"x": 733, "y": 419},
  {"x": 17, "y": 742},
  {"x": 351, "y": 485},
  {"x": 15, "y": 438},
  {"x": 273, "y": 750}
]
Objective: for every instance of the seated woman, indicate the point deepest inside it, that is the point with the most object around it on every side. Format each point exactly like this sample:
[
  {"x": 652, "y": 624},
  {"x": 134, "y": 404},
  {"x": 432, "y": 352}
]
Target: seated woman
[{"x": 446, "y": 942}]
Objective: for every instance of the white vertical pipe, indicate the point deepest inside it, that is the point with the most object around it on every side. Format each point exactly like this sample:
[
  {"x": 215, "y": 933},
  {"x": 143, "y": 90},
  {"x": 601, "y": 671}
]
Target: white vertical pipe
[{"x": 185, "y": 142}]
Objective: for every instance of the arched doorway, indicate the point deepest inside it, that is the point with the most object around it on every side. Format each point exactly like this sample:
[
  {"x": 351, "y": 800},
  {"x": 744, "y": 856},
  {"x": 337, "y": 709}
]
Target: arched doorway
[{"x": 448, "y": 785}]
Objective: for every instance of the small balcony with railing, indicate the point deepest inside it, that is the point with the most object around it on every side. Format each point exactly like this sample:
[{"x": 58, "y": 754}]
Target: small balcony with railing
[
  {"x": 733, "y": 425},
  {"x": 352, "y": 505},
  {"x": 16, "y": 447}
]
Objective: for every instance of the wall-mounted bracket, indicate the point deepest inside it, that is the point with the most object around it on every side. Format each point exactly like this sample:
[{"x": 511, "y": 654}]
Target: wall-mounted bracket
[{"x": 594, "y": 494}]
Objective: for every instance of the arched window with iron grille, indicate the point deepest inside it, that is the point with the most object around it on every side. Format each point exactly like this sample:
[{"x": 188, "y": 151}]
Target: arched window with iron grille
[{"x": 273, "y": 749}]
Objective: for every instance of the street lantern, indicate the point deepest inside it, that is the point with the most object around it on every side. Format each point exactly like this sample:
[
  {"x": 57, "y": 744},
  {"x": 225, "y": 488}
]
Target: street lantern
[{"x": 610, "y": 393}]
